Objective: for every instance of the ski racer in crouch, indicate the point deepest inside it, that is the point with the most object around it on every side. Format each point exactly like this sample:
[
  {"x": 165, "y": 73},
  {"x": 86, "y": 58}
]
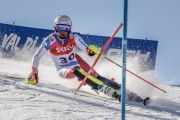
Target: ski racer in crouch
[{"x": 61, "y": 46}]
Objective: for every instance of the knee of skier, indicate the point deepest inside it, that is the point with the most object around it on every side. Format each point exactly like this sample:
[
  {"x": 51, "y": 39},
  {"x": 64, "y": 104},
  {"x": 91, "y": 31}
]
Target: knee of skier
[{"x": 66, "y": 73}]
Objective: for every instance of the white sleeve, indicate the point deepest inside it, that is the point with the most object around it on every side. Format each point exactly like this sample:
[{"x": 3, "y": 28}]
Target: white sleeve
[
  {"x": 80, "y": 43},
  {"x": 40, "y": 53}
]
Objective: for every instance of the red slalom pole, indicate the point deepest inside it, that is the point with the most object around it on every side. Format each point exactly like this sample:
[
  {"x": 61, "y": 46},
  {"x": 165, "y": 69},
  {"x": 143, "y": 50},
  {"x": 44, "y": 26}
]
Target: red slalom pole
[{"x": 102, "y": 50}]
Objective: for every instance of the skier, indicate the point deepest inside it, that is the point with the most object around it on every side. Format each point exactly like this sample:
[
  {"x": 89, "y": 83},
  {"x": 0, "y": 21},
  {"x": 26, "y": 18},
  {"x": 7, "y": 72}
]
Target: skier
[{"x": 61, "y": 46}]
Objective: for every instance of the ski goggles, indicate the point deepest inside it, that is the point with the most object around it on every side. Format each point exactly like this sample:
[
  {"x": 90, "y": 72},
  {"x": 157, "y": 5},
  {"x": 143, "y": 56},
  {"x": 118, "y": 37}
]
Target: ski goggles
[{"x": 65, "y": 28}]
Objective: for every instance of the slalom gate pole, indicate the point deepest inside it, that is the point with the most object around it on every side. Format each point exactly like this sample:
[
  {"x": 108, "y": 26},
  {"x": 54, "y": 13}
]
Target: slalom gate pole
[
  {"x": 124, "y": 49},
  {"x": 97, "y": 51},
  {"x": 103, "y": 49}
]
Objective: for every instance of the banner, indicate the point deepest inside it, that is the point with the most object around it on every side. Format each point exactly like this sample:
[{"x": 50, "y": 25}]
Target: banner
[{"x": 18, "y": 38}]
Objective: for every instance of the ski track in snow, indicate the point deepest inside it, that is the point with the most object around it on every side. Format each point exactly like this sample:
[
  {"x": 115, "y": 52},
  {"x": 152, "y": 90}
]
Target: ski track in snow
[{"x": 51, "y": 101}]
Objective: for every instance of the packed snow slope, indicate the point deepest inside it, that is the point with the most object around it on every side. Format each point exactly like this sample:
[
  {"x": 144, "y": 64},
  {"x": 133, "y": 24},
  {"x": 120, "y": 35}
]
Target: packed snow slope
[{"x": 54, "y": 99}]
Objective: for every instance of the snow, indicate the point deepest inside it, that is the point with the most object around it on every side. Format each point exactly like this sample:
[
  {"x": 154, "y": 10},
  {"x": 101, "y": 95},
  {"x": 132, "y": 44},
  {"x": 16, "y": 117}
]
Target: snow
[{"x": 53, "y": 99}]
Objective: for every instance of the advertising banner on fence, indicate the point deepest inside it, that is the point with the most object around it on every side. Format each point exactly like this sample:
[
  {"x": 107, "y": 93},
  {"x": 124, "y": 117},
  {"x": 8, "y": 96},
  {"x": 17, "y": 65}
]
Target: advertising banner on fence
[{"x": 18, "y": 38}]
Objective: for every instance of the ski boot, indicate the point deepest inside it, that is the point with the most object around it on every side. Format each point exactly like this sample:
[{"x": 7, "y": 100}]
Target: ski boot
[{"x": 110, "y": 92}]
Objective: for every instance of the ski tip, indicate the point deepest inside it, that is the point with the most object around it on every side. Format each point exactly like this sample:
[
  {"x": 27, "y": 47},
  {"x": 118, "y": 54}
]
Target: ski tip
[{"x": 146, "y": 101}]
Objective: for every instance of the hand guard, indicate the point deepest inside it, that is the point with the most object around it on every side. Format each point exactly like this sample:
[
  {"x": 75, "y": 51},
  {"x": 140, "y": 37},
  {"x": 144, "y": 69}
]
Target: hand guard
[
  {"x": 33, "y": 78},
  {"x": 90, "y": 52}
]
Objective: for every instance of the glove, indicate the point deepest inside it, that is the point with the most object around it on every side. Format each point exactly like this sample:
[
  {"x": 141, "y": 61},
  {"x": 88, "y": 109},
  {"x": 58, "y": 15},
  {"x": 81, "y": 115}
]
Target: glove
[
  {"x": 90, "y": 52},
  {"x": 33, "y": 78}
]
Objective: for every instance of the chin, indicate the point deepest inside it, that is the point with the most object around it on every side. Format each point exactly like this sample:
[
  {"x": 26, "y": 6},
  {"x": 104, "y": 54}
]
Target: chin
[{"x": 62, "y": 37}]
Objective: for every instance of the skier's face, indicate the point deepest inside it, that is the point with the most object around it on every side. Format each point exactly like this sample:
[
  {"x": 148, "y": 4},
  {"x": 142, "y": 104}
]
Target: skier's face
[
  {"x": 62, "y": 34},
  {"x": 63, "y": 30}
]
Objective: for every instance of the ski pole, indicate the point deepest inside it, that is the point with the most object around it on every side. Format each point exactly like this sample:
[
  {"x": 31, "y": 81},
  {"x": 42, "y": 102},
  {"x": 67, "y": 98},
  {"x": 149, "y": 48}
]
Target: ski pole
[
  {"x": 102, "y": 50},
  {"x": 97, "y": 51}
]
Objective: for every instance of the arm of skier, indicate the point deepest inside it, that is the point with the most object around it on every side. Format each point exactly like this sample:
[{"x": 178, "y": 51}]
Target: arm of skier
[
  {"x": 33, "y": 78},
  {"x": 82, "y": 45}
]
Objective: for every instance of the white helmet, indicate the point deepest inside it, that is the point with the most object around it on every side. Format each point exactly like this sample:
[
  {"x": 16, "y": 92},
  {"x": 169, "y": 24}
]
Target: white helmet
[
  {"x": 62, "y": 23},
  {"x": 64, "y": 19}
]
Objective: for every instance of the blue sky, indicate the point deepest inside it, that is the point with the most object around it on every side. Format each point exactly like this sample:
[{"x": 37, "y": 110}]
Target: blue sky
[{"x": 154, "y": 19}]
